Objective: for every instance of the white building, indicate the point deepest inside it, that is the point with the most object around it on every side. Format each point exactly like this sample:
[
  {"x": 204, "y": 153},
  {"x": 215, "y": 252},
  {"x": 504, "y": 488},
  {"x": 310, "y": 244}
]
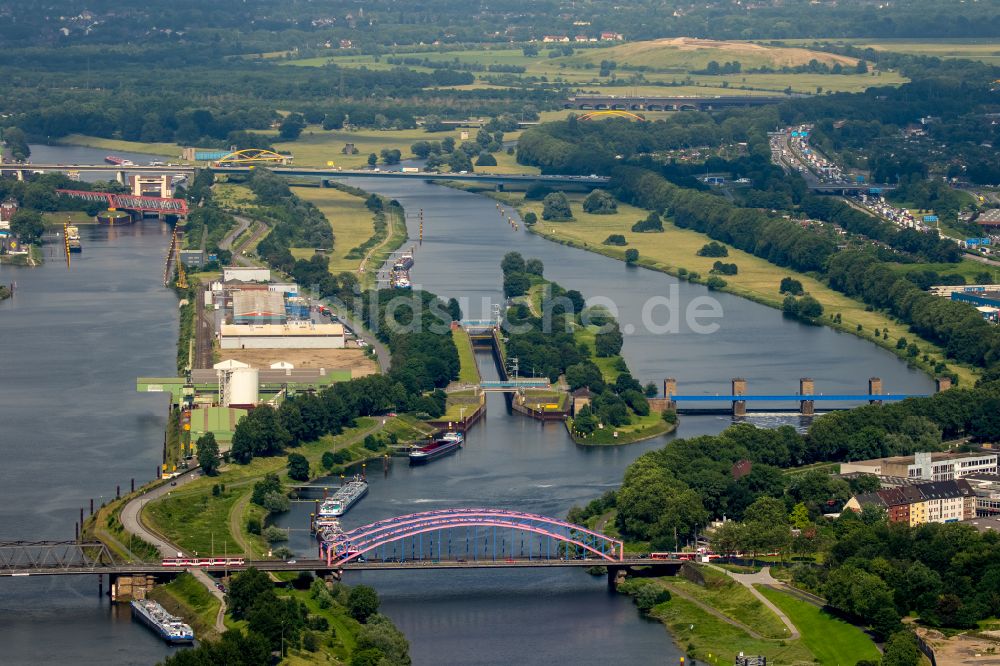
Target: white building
[
  {"x": 294, "y": 335},
  {"x": 926, "y": 466},
  {"x": 246, "y": 274}
]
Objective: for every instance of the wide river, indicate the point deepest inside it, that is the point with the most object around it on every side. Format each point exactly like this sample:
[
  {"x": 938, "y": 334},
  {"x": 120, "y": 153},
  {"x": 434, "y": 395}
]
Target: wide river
[{"x": 72, "y": 427}]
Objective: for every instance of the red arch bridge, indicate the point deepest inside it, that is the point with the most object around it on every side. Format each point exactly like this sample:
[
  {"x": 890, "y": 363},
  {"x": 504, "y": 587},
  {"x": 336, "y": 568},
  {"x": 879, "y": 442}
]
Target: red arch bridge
[
  {"x": 131, "y": 202},
  {"x": 468, "y": 536}
]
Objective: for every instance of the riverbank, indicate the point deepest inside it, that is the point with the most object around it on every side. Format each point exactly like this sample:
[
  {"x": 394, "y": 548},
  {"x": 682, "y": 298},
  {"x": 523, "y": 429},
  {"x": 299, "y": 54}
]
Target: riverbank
[
  {"x": 674, "y": 251},
  {"x": 5, "y": 292},
  {"x": 33, "y": 258},
  {"x": 713, "y": 615}
]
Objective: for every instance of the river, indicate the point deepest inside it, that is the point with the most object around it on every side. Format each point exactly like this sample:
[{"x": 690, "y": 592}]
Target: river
[{"x": 73, "y": 427}]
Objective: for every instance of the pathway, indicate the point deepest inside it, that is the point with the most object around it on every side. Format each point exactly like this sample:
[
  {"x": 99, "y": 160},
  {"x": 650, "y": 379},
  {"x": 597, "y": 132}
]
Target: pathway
[
  {"x": 131, "y": 519},
  {"x": 762, "y": 577},
  {"x": 717, "y": 613}
]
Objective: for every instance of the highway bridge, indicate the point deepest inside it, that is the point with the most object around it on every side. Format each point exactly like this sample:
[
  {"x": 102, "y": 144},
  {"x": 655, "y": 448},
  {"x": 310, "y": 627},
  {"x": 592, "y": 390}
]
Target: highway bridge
[
  {"x": 666, "y": 103},
  {"x": 316, "y": 172}
]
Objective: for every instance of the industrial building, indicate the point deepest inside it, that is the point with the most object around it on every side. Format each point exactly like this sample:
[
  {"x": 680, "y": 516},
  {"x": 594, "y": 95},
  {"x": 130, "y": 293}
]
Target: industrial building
[
  {"x": 292, "y": 335},
  {"x": 246, "y": 274},
  {"x": 926, "y": 466},
  {"x": 257, "y": 306}
]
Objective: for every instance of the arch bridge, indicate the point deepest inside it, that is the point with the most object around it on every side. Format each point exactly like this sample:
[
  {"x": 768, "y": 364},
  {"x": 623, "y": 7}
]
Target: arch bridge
[
  {"x": 469, "y": 535},
  {"x": 252, "y": 156}
]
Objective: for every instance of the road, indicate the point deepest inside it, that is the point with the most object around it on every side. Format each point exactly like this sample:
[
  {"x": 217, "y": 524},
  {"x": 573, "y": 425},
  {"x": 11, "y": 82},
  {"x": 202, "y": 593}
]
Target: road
[{"x": 131, "y": 519}]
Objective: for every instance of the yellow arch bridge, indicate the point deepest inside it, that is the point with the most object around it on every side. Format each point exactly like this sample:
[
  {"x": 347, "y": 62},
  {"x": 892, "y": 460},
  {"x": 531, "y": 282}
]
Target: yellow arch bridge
[
  {"x": 252, "y": 156},
  {"x": 613, "y": 113}
]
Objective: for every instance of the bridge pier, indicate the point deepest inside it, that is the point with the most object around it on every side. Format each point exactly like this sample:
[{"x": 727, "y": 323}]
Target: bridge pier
[
  {"x": 669, "y": 391},
  {"x": 20, "y": 174},
  {"x": 942, "y": 383},
  {"x": 616, "y": 576},
  {"x": 874, "y": 389},
  {"x": 806, "y": 387},
  {"x": 739, "y": 388},
  {"x": 120, "y": 177}
]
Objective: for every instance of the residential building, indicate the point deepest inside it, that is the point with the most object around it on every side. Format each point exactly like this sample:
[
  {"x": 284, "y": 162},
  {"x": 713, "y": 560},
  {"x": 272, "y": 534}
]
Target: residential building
[
  {"x": 935, "y": 502},
  {"x": 7, "y": 210},
  {"x": 926, "y": 466}
]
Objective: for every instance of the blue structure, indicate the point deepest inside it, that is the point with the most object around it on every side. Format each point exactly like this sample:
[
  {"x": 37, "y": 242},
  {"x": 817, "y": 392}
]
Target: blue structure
[{"x": 977, "y": 298}]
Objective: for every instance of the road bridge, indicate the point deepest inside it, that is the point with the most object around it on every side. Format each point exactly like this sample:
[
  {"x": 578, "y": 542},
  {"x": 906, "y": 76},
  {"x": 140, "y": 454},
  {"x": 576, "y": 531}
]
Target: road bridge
[
  {"x": 320, "y": 172},
  {"x": 665, "y": 103}
]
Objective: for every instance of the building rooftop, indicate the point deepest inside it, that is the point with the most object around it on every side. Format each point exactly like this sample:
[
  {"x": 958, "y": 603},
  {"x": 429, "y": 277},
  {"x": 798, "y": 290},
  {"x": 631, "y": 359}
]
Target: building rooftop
[
  {"x": 985, "y": 524},
  {"x": 262, "y": 303},
  {"x": 271, "y": 330},
  {"x": 936, "y": 456}
]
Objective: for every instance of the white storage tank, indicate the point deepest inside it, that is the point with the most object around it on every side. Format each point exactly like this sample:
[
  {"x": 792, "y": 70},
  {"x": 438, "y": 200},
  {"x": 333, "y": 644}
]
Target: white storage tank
[{"x": 243, "y": 386}]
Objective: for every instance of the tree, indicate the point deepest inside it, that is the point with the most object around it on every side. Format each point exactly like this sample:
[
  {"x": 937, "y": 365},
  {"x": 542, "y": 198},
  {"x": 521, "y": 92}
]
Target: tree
[
  {"x": 600, "y": 202},
  {"x": 530, "y": 50},
  {"x": 372, "y": 159},
  {"x": 534, "y": 267},
  {"x": 362, "y": 602},
  {"x": 631, "y": 256},
  {"x": 27, "y": 225},
  {"x": 609, "y": 343},
  {"x": 615, "y": 239},
  {"x": 17, "y": 142},
  {"x": 378, "y": 633},
  {"x": 259, "y": 433},
  {"x": 790, "y": 286},
  {"x": 279, "y": 621},
  {"x": 291, "y": 127},
  {"x": 512, "y": 262},
  {"x": 810, "y": 308},
  {"x": 208, "y": 454},
  {"x": 555, "y": 206},
  {"x": 530, "y": 218},
  {"x": 800, "y": 516},
  {"x": 485, "y": 159},
  {"x": 298, "y": 467},
  {"x": 369, "y": 657},
  {"x": 244, "y": 589},
  {"x": 713, "y": 249},
  {"x": 391, "y": 155}
]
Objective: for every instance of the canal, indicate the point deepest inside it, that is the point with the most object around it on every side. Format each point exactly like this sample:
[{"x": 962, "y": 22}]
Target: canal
[{"x": 73, "y": 428}]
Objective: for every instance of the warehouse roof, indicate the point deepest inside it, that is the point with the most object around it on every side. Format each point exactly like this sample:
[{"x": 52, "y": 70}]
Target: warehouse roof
[{"x": 282, "y": 330}]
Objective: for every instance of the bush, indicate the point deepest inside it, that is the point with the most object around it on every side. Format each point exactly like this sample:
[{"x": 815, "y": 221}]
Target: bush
[
  {"x": 670, "y": 416},
  {"x": 615, "y": 239},
  {"x": 530, "y": 218},
  {"x": 274, "y": 534},
  {"x": 651, "y": 223},
  {"x": 486, "y": 159},
  {"x": 372, "y": 443},
  {"x": 253, "y": 525},
  {"x": 276, "y": 502},
  {"x": 650, "y": 595},
  {"x": 298, "y": 467},
  {"x": 713, "y": 249},
  {"x": 328, "y": 460},
  {"x": 724, "y": 269},
  {"x": 715, "y": 283},
  {"x": 631, "y": 256},
  {"x": 362, "y": 603}
]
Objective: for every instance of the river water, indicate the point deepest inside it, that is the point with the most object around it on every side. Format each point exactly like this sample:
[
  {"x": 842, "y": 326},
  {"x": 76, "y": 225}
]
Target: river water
[{"x": 72, "y": 427}]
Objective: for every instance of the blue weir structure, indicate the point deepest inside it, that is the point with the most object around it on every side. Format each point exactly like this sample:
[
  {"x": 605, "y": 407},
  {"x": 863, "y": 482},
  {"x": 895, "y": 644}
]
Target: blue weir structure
[{"x": 806, "y": 397}]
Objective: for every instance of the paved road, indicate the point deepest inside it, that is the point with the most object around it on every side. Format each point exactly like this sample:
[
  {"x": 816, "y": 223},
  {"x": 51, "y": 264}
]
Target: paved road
[{"x": 131, "y": 519}]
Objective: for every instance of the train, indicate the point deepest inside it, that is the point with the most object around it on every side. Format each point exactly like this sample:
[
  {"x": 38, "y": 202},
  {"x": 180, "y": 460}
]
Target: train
[{"x": 203, "y": 561}]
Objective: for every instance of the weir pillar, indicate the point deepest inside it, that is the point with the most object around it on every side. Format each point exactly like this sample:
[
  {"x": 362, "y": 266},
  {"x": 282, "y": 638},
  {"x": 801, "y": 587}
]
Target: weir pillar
[
  {"x": 807, "y": 388},
  {"x": 739, "y": 386},
  {"x": 874, "y": 389}
]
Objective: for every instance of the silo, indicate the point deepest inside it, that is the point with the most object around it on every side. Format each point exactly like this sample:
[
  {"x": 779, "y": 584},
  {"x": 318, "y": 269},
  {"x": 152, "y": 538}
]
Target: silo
[{"x": 242, "y": 389}]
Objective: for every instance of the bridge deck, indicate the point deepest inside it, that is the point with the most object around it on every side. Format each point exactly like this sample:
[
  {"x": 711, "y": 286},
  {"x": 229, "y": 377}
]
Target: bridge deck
[
  {"x": 794, "y": 397},
  {"x": 321, "y": 565}
]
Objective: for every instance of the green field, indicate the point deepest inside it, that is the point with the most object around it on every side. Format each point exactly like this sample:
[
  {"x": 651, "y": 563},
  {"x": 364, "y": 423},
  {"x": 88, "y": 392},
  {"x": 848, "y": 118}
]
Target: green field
[
  {"x": 668, "y": 63},
  {"x": 715, "y": 641},
  {"x": 984, "y": 50},
  {"x": 187, "y": 597},
  {"x": 757, "y": 279},
  {"x": 469, "y": 373},
  {"x": 830, "y": 639},
  {"x": 733, "y": 599},
  {"x": 350, "y": 220},
  {"x": 164, "y": 149}
]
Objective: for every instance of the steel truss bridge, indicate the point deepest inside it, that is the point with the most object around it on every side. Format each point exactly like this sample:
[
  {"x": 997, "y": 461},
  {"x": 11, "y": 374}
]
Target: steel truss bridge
[
  {"x": 470, "y": 536},
  {"x": 130, "y": 202}
]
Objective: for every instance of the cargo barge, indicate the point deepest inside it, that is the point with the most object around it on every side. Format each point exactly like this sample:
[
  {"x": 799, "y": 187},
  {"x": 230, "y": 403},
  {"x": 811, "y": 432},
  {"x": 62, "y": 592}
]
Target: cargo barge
[
  {"x": 117, "y": 161},
  {"x": 345, "y": 497},
  {"x": 170, "y": 628},
  {"x": 448, "y": 442},
  {"x": 73, "y": 239}
]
